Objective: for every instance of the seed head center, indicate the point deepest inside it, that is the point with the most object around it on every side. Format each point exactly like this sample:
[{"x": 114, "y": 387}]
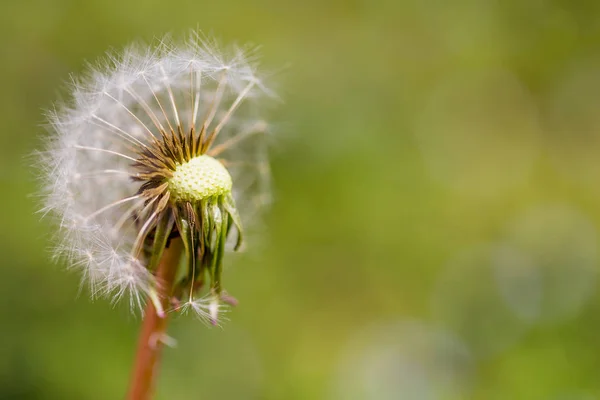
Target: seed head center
[{"x": 199, "y": 178}]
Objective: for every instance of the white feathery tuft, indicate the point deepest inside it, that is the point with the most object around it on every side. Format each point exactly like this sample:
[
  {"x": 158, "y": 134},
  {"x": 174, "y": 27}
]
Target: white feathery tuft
[{"x": 208, "y": 309}]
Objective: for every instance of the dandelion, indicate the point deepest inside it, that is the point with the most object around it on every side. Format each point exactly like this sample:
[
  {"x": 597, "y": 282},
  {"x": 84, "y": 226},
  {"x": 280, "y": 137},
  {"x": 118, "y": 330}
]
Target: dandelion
[{"x": 160, "y": 153}]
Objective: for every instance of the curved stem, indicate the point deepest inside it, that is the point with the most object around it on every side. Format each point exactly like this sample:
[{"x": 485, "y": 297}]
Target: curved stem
[{"x": 154, "y": 328}]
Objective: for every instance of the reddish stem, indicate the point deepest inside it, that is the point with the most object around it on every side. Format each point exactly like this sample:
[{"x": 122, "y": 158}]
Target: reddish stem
[{"x": 154, "y": 328}]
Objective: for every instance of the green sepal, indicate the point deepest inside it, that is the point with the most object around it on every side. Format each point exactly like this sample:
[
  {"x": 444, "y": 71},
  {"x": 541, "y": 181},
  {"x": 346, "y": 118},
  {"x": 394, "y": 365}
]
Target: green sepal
[
  {"x": 221, "y": 225},
  {"x": 161, "y": 237},
  {"x": 187, "y": 223},
  {"x": 216, "y": 218},
  {"x": 229, "y": 205},
  {"x": 206, "y": 222}
]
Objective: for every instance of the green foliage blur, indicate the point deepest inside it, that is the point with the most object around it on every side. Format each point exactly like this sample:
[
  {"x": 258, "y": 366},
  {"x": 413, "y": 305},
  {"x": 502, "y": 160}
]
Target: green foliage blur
[{"x": 434, "y": 236}]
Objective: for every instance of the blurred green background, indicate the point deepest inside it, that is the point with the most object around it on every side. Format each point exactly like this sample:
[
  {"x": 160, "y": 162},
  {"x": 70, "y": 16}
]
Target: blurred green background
[{"x": 435, "y": 230}]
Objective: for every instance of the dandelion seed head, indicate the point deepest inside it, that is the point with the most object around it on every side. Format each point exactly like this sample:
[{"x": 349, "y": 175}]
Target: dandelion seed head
[{"x": 167, "y": 135}]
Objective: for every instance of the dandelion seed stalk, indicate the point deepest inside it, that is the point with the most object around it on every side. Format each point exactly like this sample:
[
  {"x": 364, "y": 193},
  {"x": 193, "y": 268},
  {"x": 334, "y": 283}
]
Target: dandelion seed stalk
[{"x": 154, "y": 328}]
